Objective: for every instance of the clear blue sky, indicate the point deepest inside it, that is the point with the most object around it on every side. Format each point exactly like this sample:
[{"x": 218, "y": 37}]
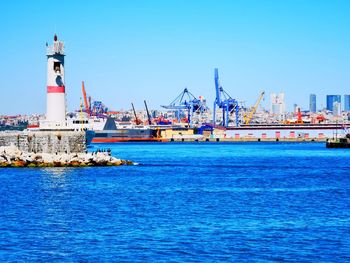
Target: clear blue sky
[{"x": 128, "y": 51}]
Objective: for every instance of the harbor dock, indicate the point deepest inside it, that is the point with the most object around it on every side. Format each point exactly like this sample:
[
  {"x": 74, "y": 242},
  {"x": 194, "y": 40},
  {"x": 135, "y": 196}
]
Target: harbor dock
[{"x": 234, "y": 140}]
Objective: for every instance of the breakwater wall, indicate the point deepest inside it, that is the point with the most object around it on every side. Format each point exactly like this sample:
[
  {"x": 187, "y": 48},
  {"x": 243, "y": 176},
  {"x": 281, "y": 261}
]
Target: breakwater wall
[
  {"x": 45, "y": 141},
  {"x": 11, "y": 156}
]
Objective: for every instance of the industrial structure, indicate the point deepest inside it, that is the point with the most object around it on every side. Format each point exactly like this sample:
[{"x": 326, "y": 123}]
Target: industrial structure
[
  {"x": 225, "y": 102},
  {"x": 184, "y": 103},
  {"x": 93, "y": 107},
  {"x": 102, "y": 125},
  {"x": 185, "y": 107},
  {"x": 86, "y": 102},
  {"x": 148, "y": 114},
  {"x": 248, "y": 117}
]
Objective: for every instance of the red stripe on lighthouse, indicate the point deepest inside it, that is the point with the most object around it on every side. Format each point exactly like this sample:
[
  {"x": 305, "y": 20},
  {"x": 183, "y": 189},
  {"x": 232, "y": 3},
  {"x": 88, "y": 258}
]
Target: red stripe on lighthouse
[{"x": 56, "y": 89}]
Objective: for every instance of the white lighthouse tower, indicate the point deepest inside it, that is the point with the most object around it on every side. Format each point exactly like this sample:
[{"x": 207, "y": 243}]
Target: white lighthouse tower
[{"x": 56, "y": 93}]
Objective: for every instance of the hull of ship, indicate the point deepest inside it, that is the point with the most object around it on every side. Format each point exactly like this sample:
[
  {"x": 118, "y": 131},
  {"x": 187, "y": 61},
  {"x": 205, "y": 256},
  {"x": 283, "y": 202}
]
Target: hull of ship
[
  {"x": 89, "y": 136},
  {"x": 113, "y": 140},
  {"x": 338, "y": 145},
  {"x": 125, "y": 135}
]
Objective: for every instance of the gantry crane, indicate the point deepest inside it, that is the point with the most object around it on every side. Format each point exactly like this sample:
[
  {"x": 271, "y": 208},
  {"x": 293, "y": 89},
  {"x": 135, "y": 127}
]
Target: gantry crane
[
  {"x": 185, "y": 101},
  {"x": 247, "y": 118},
  {"x": 224, "y": 102}
]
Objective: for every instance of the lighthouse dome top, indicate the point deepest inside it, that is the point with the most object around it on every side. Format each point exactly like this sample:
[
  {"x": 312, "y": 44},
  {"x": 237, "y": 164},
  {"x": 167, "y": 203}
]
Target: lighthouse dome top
[{"x": 57, "y": 48}]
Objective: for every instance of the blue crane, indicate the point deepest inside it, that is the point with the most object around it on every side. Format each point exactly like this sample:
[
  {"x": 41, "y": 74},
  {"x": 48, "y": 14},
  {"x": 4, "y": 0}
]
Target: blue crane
[
  {"x": 98, "y": 108},
  {"x": 185, "y": 101},
  {"x": 225, "y": 102}
]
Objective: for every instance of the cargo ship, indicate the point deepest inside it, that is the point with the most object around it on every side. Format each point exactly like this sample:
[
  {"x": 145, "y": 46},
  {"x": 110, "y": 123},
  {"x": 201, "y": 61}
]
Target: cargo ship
[
  {"x": 126, "y": 132},
  {"x": 105, "y": 130},
  {"x": 339, "y": 142}
]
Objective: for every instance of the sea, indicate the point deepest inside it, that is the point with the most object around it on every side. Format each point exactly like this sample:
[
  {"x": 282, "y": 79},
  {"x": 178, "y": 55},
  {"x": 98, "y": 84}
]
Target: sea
[{"x": 183, "y": 202}]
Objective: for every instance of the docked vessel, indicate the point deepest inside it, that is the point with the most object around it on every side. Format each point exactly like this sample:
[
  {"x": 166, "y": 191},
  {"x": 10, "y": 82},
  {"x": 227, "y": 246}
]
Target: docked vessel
[
  {"x": 125, "y": 133},
  {"x": 339, "y": 142}
]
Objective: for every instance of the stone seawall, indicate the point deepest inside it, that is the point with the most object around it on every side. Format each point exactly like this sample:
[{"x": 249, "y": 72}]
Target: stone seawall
[
  {"x": 11, "y": 156},
  {"x": 45, "y": 141}
]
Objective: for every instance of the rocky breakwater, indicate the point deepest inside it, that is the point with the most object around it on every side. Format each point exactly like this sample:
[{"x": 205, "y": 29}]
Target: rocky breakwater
[{"x": 11, "y": 156}]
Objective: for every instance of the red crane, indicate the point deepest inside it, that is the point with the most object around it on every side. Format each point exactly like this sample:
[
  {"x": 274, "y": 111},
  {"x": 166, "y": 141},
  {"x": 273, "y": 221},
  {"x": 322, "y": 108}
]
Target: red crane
[
  {"x": 86, "y": 104},
  {"x": 137, "y": 120},
  {"x": 299, "y": 120}
]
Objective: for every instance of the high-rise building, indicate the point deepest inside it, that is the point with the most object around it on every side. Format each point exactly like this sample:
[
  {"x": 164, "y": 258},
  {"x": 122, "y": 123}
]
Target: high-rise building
[
  {"x": 295, "y": 107},
  {"x": 346, "y": 102},
  {"x": 331, "y": 99},
  {"x": 336, "y": 108},
  {"x": 277, "y": 103},
  {"x": 312, "y": 104}
]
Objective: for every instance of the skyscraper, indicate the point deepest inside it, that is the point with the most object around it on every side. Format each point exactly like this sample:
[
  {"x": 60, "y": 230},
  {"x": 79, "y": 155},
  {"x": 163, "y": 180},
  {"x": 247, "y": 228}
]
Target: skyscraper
[
  {"x": 277, "y": 103},
  {"x": 331, "y": 99},
  {"x": 312, "y": 107},
  {"x": 336, "y": 108},
  {"x": 346, "y": 102}
]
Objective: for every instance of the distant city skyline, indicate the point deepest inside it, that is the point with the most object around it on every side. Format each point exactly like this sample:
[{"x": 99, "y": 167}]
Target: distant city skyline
[{"x": 128, "y": 51}]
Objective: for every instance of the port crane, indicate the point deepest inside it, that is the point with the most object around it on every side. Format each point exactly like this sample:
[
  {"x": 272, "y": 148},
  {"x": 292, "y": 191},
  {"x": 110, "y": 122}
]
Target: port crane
[
  {"x": 247, "y": 118},
  {"x": 185, "y": 101},
  {"x": 137, "y": 120},
  {"x": 299, "y": 117},
  {"x": 93, "y": 108},
  {"x": 148, "y": 115},
  {"x": 98, "y": 108},
  {"x": 86, "y": 103},
  {"x": 225, "y": 102}
]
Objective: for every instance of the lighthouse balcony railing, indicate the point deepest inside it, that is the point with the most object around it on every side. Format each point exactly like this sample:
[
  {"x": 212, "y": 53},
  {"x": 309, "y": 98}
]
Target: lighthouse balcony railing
[{"x": 57, "y": 48}]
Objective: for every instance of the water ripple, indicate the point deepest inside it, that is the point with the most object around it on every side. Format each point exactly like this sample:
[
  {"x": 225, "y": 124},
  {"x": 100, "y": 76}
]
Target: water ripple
[{"x": 185, "y": 203}]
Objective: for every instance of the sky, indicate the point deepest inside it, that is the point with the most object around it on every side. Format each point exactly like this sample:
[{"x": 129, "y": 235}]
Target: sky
[{"x": 133, "y": 50}]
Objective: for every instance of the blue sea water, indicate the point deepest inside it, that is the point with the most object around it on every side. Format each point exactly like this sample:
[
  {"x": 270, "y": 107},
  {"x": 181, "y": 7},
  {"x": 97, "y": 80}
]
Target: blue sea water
[{"x": 185, "y": 202}]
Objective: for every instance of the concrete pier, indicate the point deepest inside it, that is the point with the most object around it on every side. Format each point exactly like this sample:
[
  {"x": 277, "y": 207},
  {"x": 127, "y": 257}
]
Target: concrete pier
[
  {"x": 45, "y": 141},
  {"x": 218, "y": 139}
]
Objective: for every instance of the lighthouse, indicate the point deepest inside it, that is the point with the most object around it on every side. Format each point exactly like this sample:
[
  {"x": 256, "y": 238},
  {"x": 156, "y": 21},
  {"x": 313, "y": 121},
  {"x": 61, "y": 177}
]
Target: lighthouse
[{"x": 56, "y": 92}]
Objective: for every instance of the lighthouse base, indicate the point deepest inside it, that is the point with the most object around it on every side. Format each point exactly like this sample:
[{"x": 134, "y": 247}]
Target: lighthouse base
[{"x": 46, "y": 141}]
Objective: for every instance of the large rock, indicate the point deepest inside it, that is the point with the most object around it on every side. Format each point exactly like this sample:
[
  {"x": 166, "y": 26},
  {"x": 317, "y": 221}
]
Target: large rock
[{"x": 12, "y": 156}]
